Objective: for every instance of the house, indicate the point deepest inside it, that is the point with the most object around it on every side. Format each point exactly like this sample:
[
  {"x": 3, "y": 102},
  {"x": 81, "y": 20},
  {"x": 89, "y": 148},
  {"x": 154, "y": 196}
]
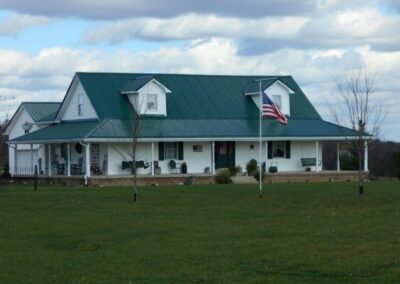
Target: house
[{"x": 207, "y": 121}]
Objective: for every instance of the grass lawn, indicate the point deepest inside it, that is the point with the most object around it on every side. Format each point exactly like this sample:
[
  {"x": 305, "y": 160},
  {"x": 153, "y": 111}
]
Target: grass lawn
[{"x": 220, "y": 234}]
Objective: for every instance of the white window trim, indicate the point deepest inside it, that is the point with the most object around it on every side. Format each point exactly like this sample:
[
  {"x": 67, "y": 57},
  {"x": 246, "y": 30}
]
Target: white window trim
[
  {"x": 153, "y": 101},
  {"x": 277, "y": 100},
  {"x": 167, "y": 157}
]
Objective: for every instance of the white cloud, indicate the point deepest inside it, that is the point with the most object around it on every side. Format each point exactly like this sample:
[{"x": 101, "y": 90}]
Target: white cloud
[
  {"x": 335, "y": 30},
  {"x": 194, "y": 26},
  {"x": 14, "y": 24}
]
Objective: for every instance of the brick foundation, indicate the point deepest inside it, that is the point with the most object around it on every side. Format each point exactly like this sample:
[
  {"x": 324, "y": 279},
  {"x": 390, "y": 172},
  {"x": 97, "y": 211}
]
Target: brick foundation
[{"x": 326, "y": 176}]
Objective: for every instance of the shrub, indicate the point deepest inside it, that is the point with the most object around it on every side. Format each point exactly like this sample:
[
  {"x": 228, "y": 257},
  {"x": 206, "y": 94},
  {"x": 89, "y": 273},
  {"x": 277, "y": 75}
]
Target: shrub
[
  {"x": 251, "y": 167},
  {"x": 233, "y": 170},
  {"x": 223, "y": 177}
]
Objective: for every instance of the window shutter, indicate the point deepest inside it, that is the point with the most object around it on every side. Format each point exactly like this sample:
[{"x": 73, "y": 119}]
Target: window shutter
[
  {"x": 180, "y": 151},
  {"x": 161, "y": 151},
  {"x": 270, "y": 150},
  {"x": 287, "y": 149}
]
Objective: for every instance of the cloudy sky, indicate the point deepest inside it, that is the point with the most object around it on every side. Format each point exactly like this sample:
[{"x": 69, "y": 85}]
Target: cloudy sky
[{"x": 43, "y": 43}]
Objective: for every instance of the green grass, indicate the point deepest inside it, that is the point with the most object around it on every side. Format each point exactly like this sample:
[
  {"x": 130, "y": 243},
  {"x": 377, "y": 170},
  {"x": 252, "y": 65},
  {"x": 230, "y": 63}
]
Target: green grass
[{"x": 299, "y": 233}]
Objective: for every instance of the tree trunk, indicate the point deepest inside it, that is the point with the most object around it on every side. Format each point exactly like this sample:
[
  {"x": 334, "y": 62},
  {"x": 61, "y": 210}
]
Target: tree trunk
[
  {"x": 360, "y": 150},
  {"x": 135, "y": 190},
  {"x": 360, "y": 178}
]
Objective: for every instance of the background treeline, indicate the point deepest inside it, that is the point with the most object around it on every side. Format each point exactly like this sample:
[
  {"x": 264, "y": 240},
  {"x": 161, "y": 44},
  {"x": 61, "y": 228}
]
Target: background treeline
[{"x": 383, "y": 158}]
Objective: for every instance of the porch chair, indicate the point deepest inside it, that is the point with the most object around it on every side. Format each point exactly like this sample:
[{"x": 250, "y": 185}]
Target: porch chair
[
  {"x": 76, "y": 169},
  {"x": 54, "y": 165}
]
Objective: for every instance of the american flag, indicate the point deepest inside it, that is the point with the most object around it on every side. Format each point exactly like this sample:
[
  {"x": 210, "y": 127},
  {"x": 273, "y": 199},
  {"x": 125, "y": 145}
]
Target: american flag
[{"x": 269, "y": 109}]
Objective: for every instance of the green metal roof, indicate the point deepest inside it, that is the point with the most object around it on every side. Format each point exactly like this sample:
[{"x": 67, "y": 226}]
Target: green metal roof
[
  {"x": 199, "y": 106},
  {"x": 65, "y": 131},
  {"x": 42, "y": 111},
  {"x": 254, "y": 87},
  {"x": 135, "y": 84},
  {"x": 219, "y": 128},
  {"x": 191, "y": 97},
  {"x": 153, "y": 128}
]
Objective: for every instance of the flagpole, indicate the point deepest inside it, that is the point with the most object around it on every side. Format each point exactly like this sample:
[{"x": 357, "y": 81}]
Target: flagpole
[
  {"x": 260, "y": 169},
  {"x": 260, "y": 124}
]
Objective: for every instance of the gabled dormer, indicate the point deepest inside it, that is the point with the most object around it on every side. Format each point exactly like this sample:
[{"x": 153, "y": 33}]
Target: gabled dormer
[
  {"x": 275, "y": 89},
  {"x": 147, "y": 95}
]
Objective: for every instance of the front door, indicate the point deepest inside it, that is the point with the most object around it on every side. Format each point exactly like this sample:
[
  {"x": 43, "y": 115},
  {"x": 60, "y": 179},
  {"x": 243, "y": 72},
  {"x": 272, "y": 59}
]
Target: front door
[{"x": 224, "y": 154}]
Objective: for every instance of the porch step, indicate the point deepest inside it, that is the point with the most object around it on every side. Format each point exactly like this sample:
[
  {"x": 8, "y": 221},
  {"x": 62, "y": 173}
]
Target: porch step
[{"x": 243, "y": 180}]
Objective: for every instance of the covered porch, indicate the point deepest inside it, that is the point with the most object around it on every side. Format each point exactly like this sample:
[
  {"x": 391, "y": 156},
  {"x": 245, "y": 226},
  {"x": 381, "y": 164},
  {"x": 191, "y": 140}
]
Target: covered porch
[{"x": 82, "y": 158}]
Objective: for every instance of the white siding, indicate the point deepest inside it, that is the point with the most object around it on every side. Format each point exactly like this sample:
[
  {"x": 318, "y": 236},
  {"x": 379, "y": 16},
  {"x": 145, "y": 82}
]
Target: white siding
[
  {"x": 244, "y": 154},
  {"x": 15, "y": 131},
  {"x": 118, "y": 152},
  {"x": 153, "y": 88},
  {"x": 69, "y": 110},
  {"x": 197, "y": 161}
]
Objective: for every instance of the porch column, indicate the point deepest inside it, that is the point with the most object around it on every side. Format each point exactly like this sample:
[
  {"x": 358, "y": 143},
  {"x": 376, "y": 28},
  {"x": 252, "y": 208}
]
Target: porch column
[
  {"x": 213, "y": 157},
  {"x": 316, "y": 156},
  {"x": 49, "y": 158},
  {"x": 15, "y": 159},
  {"x": 366, "y": 156},
  {"x": 338, "y": 156},
  {"x": 152, "y": 158},
  {"x": 69, "y": 159},
  {"x": 31, "y": 171},
  {"x": 87, "y": 152}
]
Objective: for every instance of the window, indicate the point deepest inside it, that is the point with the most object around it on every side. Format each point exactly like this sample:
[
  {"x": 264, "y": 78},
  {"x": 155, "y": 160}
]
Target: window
[
  {"x": 171, "y": 150},
  {"x": 80, "y": 105},
  {"x": 278, "y": 149},
  {"x": 152, "y": 102},
  {"x": 277, "y": 99}
]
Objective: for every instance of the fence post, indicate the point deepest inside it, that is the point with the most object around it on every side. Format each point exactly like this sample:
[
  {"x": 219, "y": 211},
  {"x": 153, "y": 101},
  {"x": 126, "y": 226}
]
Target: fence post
[{"x": 35, "y": 179}]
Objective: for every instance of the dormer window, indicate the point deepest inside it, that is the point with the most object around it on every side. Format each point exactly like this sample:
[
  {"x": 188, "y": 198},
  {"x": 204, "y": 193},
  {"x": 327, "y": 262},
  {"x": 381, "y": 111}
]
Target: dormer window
[
  {"x": 80, "y": 105},
  {"x": 147, "y": 95},
  {"x": 152, "y": 102},
  {"x": 277, "y": 99},
  {"x": 277, "y": 91}
]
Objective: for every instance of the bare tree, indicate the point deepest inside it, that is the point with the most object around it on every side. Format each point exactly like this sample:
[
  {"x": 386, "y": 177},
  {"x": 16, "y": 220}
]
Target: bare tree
[{"x": 356, "y": 108}]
